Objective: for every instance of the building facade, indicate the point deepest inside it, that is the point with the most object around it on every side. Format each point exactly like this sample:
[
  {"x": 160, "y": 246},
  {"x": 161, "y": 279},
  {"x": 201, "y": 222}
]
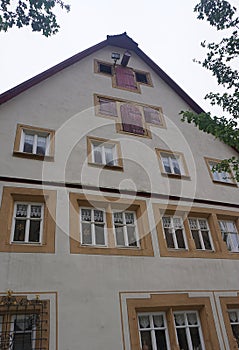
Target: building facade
[{"x": 115, "y": 232}]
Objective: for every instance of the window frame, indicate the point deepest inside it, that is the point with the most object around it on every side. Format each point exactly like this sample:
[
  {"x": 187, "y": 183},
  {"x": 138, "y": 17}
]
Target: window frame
[
  {"x": 200, "y": 233},
  {"x": 173, "y": 154},
  {"x": 27, "y": 219},
  {"x": 11, "y": 195},
  {"x": 229, "y": 304},
  {"x": 36, "y": 131},
  {"x": 93, "y": 231},
  {"x": 220, "y": 181},
  {"x": 125, "y": 232},
  {"x": 91, "y": 140},
  {"x": 170, "y": 303},
  {"x": 229, "y": 233},
  {"x": 109, "y": 204},
  {"x": 174, "y": 235}
]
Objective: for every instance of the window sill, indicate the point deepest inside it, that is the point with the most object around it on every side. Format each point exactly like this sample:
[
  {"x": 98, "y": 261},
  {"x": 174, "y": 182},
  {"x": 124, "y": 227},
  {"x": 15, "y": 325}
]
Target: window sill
[
  {"x": 234, "y": 184},
  {"x": 33, "y": 156},
  {"x": 175, "y": 176},
  {"x": 107, "y": 167}
]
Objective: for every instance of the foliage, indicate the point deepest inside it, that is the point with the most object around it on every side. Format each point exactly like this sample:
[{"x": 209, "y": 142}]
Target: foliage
[
  {"x": 37, "y": 13},
  {"x": 221, "y": 60}
]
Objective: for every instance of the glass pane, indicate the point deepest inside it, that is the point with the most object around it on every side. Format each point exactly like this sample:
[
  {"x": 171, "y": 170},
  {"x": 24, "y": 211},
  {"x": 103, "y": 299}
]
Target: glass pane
[
  {"x": 97, "y": 154},
  {"x": 35, "y": 211},
  {"x": 22, "y": 341},
  {"x": 192, "y": 319},
  {"x": 234, "y": 242},
  {"x": 41, "y": 145},
  {"x": 235, "y": 330},
  {"x": 109, "y": 156},
  {"x": 202, "y": 224},
  {"x": 179, "y": 319},
  {"x": 28, "y": 143},
  {"x": 86, "y": 214},
  {"x": 206, "y": 240},
  {"x": 158, "y": 321},
  {"x": 24, "y": 323},
  {"x": 21, "y": 210},
  {"x": 19, "y": 231},
  {"x": 233, "y": 316},
  {"x": 161, "y": 339},
  {"x": 196, "y": 238},
  {"x": 166, "y": 221},
  {"x": 99, "y": 234},
  {"x": 86, "y": 233},
  {"x": 195, "y": 338},
  {"x": 131, "y": 236},
  {"x": 119, "y": 231},
  {"x": 144, "y": 322},
  {"x": 34, "y": 231},
  {"x": 129, "y": 218},
  {"x": 193, "y": 224},
  {"x": 169, "y": 237},
  {"x": 146, "y": 340},
  {"x": 180, "y": 238},
  {"x": 182, "y": 339},
  {"x": 231, "y": 227},
  {"x": 118, "y": 218},
  {"x": 177, "y": 223},
  {"x": 98, "y": 216},
  {"x": 166, "y": 164},
  {"x": 176, "y": 167}
]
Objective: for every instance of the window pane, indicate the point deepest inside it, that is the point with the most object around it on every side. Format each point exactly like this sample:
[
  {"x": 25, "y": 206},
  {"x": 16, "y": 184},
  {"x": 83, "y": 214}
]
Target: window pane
[
  {"x": 98, "y": 216},
  {"x": 109, "y": 156},
  {"x": 22, "y": 341},
  {"x": 180, "y": 238},
  {"x": 169, "y": 237},
  {"x": 28, "y": 143},
  {"x": 34, "y": 231},
  {"x": 182, "y": 339},
  {"x": 235, "y": 330},
  {"x": 118, "y": 218},
  {"x": 119, "y": 231},
  {"x": 19, "y": 232},
  {"x": 166, "y": 164},
  {"x": 97, "y": 154},
  {"x": 99, "y": 234},
  {"x": 86, "y": 214},
  {"x": 35, "y": 211},
  {"x": 41, "y": 145},
  {"x": 195, "y": 337},
  {"x": 21, "y": 211},
  {"x": 176, "y": 167},
  {"x": 161, "y": 340},
  {"x": 146, "y": 340},
  {"x": 196, "y": 238},
  {"x": 234, "y": 242},
  {"x": 206, "y": 240},
  {"x": 144, "y": 322},
  {"x": 86, "y": 233},
  {"x": 131, "y": 236}
]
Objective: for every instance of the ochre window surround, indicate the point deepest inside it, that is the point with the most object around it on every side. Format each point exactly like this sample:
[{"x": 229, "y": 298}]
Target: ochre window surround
[
  {"x": 109, "y": 205},
  {"x": 116, "y": 109},
  {"x": 27, "y": 195},
  {"x": 219, "y": 247},
  {"x": 125, "y": 78},
  {"x": 47, "y": 134},
  {"x": 169, "y": 303},
  {"x": 117, "y": 161},
  {"x": 172, "y": 164},
  {"x": 227, "y": 304},
  {"x": 218, "y": 178}
]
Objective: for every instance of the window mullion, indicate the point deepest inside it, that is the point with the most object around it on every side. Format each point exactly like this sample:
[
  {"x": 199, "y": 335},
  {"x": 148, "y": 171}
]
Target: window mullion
[
  {"x": 92, "y": 224},
  {"x": 27, "y": 228},
  {"x": 103, "y": 154},
  {"x": 34, "y": 150}
]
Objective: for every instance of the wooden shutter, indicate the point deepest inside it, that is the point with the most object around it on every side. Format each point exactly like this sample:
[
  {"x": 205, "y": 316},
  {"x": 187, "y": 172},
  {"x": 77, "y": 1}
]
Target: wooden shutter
[
  {"x": 131, "y": 119},
  {"x": 125, "y": 78},
  {"x": 108, "y": 107},
  {"x": 152, "y": 116}
]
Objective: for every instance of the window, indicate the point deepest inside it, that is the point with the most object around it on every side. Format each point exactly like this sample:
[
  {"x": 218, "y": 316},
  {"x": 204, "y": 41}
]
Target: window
[
  {"x": 153, "y": 331},
  {"x": 31, "y": 213},
  {"x": 125, "y": 229},
  {"x": 24, "y": 324},
  {"x": 201, "y": 234},
  {"x": 171, "y": 321},
  {"x": 109, "y": 225},
  {"x": 34, "y": 142},
  {"x": 219, "y": 177},
  {"x": 104, "y": 153},
  {"x": 92, "y": 226},
  {"x": 130, "y": 117},
  {"x": 230, "y": 235},
  {"x": 234, "y": 322},
  {"x": 172, "y": 164},
  {"x": 27, "y": 222},
  {"x": 123, "y": 77},
  {"x": 174, "y": 232}
]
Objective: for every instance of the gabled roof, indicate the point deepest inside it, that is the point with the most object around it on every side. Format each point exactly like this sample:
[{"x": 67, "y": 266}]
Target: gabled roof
[{"x": 121, "y": 40}]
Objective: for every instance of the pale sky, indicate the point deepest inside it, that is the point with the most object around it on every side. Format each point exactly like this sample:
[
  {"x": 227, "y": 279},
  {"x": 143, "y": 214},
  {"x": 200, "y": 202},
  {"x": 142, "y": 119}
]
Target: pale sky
[{"x": 167, "y": 31}]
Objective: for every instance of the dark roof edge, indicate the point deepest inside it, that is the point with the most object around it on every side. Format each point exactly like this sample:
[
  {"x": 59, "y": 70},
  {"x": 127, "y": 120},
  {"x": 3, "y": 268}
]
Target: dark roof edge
[{"x": 122, "y": 40}]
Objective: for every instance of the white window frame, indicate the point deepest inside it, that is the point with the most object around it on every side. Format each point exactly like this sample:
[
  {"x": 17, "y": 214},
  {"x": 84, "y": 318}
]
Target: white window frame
[
  {"x": 174, "y": 233},
  {"x": 152, "y": 328},
  {"x": 92, "y": 225},
  {"x": 27, "y": 219},
  {"x": 35, "y": 134},
  {"x": 223, "y": 176},
  {"x": 101, "y": 147},
  {"x": 32, "y": 332},
  {"x": 124, "y": 225},
  {"x": 171, "y": 157},
  {"x": 187, "y": 327},
  {"x": 200, "y": 233},
  {"x": 230, "y": 242},
  {"x": 232, "y": 323}
]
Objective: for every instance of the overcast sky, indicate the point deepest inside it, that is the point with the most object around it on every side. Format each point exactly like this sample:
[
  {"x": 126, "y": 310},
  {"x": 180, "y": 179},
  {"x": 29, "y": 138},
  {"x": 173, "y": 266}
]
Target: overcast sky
[{"x": 167, "y": 31}]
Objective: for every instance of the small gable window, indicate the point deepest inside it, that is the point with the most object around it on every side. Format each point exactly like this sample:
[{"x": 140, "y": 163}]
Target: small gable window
[
  {"x": 105, "y": 68},
  {"x": 141, "y": 77}
]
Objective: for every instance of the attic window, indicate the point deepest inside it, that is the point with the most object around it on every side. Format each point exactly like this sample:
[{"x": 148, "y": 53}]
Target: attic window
[
  {"x": 105, "y": 68},
  {"x": 141, "y": 77}
]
